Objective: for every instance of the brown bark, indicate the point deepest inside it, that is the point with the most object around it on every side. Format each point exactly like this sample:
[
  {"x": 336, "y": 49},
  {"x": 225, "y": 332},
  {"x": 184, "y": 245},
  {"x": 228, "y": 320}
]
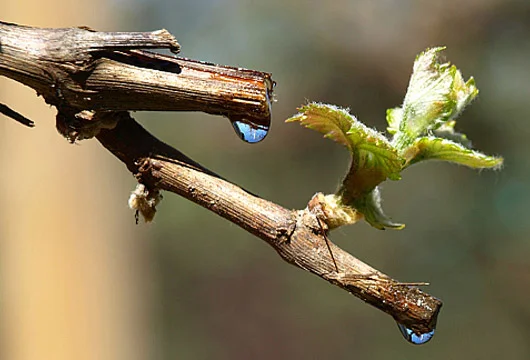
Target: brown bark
[{"x": 95, "y": 78}]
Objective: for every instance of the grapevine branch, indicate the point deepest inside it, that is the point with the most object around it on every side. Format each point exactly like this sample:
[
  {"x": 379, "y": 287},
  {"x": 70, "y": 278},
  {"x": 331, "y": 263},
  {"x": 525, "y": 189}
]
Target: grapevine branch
[{"x": 95, "y": 78}]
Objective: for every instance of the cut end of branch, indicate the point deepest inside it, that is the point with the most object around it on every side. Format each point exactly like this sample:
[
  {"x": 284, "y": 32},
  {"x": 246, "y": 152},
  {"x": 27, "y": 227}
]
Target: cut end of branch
[{"x": 165, "y": 37}]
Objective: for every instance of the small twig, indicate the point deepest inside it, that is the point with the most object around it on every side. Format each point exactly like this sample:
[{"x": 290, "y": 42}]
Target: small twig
[
  {"x": 4, "y": 109},
  {"x": 327, "y": 244}
]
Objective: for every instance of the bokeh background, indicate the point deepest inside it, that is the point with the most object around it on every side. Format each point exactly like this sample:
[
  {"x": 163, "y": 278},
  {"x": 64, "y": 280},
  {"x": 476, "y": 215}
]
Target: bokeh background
[{"x": 79, "y": 280}]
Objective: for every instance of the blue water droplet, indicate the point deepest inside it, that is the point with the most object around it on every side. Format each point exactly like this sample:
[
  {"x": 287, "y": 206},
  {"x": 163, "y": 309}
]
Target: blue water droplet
[
  {"x": 250, "y": 133},
  {"x": 414, "y": 338},
  {"x": 254, "y": 125}
]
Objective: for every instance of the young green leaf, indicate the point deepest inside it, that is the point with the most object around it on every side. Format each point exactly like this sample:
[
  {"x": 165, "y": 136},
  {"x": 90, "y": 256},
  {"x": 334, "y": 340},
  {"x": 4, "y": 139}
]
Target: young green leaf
[
  {"x": 329, "y": 120},
  {"x": 434, "y": 148},
  {"x": 422, "y": 129},
  {"x": 374, "y": 159},
  {"x": 393, "y": 118},
  {"x": 447, "y": 131},
  {"x": 436, "y": 94},
  {"x": 370, "y": 206}
]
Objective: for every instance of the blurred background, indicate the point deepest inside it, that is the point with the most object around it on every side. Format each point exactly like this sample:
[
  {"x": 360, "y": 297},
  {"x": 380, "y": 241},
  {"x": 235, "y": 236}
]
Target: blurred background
[{"x": 79, "y": 280}]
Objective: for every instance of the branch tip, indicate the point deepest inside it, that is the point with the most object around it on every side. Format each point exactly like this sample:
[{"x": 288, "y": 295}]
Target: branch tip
[{"x": 7, "y": 111}]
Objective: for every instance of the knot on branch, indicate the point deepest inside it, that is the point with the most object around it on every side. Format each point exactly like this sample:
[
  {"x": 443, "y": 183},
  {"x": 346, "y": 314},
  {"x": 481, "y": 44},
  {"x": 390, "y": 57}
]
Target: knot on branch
[
  {"x": 330, "y": 212},
  {"x": 77, "y": 125}
]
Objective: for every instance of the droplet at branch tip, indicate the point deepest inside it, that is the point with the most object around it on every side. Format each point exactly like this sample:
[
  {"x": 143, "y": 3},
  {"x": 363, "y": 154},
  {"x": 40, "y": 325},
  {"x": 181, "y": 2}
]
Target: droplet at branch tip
[
  {"x": 412, "y": 337},
  {"x": 249, "y": 133}
]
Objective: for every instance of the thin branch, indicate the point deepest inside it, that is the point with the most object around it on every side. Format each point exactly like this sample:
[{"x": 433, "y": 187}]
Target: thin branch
[
  {"x": 7, "y": 111},
  {"x": 94, "y": 88},
  {"x": 295, "y": 235},
  {"x": 81, "y": 69},
  {"x": 327, "y": 244}
]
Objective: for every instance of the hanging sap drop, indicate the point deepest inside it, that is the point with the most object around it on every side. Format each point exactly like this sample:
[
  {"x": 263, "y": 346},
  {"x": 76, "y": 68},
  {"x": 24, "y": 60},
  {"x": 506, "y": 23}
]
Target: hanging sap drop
[
  {"x": 249, "y": 132},
  {"x": 253, "y": 126},
  {"x": 414, "y": 338}
]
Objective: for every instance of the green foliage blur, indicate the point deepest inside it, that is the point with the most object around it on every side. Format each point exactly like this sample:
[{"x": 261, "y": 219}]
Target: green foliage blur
[{"x": 220, "y": 293}]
